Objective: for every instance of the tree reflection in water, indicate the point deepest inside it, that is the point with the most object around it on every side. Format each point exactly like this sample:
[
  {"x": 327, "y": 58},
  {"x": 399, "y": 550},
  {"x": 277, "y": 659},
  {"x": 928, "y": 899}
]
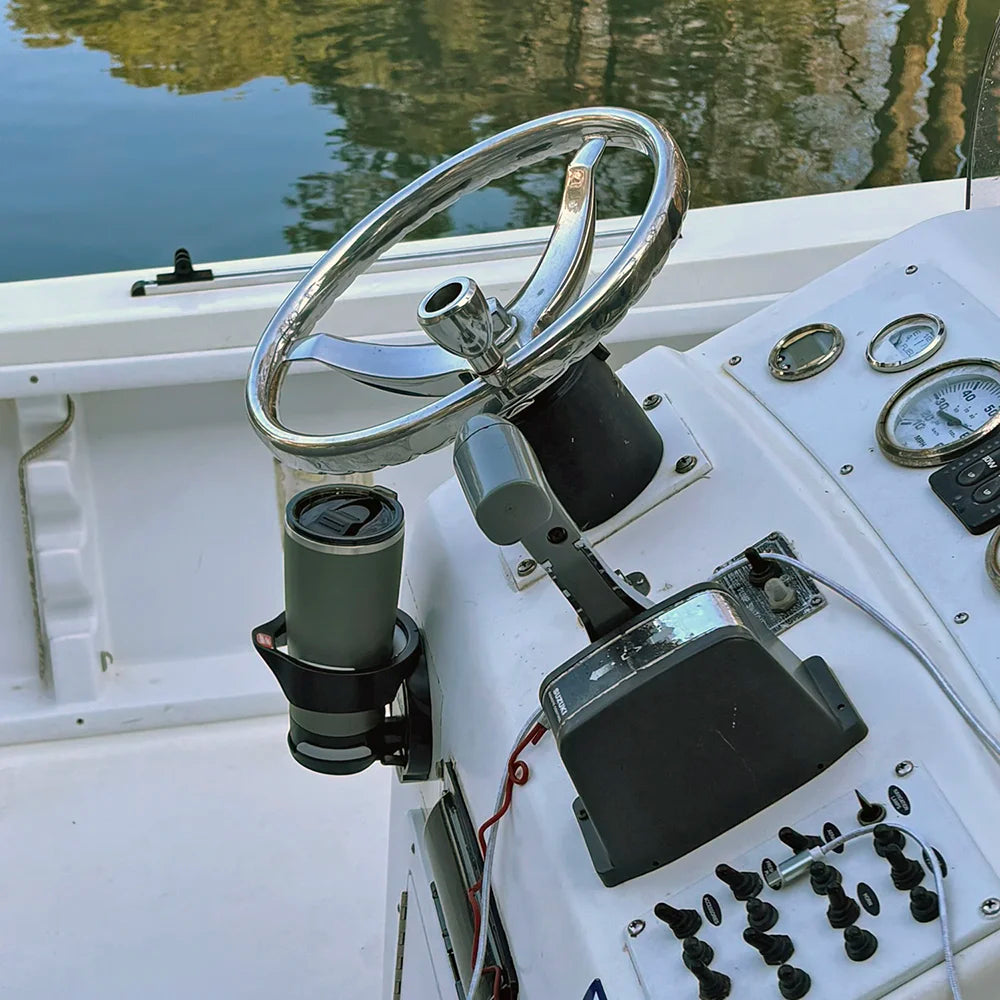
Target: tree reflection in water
[{"x": 767, "y": 98}]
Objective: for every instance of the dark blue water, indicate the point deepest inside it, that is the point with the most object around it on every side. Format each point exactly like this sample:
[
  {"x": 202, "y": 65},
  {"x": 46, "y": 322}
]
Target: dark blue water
[{"x": 251, "y": 127}]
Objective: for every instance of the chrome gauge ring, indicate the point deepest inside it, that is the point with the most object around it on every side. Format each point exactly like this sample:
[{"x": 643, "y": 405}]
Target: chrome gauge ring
[
  {"x": 993, "y": 559},
  {"x": 906, "y": 342},
  {"x": 486, "y": 356},
  {"x": 805, "y": 352},
  {"x": 941, "y": 413}
]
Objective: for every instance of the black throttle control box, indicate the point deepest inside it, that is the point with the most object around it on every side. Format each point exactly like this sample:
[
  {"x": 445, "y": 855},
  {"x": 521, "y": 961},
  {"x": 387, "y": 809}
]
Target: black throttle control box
[{"x": 685, "y": 722}]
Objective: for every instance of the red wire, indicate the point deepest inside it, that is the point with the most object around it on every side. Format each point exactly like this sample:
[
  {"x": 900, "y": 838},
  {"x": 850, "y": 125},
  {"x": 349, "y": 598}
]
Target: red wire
[
  {"x": 497, "y": 974},
  {"x": 517, "y": 774}
]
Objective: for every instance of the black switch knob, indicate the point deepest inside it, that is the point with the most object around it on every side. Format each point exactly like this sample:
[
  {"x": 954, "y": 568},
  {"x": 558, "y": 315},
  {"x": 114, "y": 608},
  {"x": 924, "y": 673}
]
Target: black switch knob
[
  {"x": 775, "y": 949},
  {"x": 798, "y": 842},
  {"x": 886, "y": 837},
  {"x": 744, "y": 884},
  {"x": 761, "y": 916},
  {"x": 906, "y": 873},
  {"x": 924, "y": 905},
  {"x": 842, "y": 911},
  {"x": 684, "y": 923},
  {"x": 697, "y": 952},
  {"x": 869, "y": 812},
  {"x": 822, "y": 876},
  {"x": 793, "y": 983},
  {"x": 761, "y": 569},
  {"x": 711, "y": 985},
  {"x": 859, "y": 944}
]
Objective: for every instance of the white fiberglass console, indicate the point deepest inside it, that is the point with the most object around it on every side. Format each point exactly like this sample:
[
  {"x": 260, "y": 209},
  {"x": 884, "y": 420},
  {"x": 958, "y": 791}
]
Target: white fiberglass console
[
  {"x": 723, "y": 630},
  {"x": 818, "y": 423}
]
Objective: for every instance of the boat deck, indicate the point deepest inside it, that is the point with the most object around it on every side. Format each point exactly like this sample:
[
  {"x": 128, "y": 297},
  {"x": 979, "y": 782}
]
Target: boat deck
[{"x": 131, "y": 864}]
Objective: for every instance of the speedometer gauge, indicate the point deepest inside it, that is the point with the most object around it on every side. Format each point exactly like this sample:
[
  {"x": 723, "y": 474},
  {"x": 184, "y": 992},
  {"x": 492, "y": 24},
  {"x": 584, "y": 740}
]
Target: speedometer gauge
[
  {"x": 905, "y": 342},
  {"x": 941, "y": 412}
]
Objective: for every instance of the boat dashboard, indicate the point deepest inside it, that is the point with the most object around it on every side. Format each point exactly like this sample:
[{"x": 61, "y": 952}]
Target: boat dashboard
[
  {"x": 748, "y": 593},
  {"x": 851, "y": 426},
  {"x": 905, "y": 416}
]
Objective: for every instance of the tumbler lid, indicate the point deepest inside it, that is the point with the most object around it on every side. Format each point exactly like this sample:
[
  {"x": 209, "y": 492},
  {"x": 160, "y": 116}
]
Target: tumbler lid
[{"x": 345, "y": 515}]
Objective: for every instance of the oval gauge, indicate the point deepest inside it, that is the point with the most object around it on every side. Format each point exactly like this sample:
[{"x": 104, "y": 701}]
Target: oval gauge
[
  {"x": 993, "y": 559},
  {"x": 940, "y": 413},
  {"x": 806, "y": 351},
  {"x": 906, "y": 342}
]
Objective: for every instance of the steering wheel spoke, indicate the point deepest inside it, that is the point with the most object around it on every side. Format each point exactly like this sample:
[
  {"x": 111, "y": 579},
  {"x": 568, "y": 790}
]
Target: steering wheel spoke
[
  {"x": 561, "y": 271},
  {"x": 406, "y": 369}
]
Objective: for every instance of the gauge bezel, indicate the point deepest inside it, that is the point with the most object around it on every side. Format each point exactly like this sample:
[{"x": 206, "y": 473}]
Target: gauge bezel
[
  {"x": 813, "y": 367},
  {"x": 887, "y": 367},
  {"x": 993, "y": 559},
  {"x": 939, "y": 454}
]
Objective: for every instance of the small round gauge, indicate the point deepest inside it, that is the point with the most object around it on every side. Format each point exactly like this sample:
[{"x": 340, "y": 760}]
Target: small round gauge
[
  {"x": 805, "y": 352},
  {"x": 905, "y": 342},
  {"x": 993, "y": 559},
  {"x": 941, "y": 412}
]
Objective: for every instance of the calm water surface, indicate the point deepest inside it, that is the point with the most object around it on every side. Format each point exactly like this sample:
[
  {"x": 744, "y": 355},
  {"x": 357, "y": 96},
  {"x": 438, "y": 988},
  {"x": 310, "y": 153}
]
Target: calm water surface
[{"x": 251, "y": 127}]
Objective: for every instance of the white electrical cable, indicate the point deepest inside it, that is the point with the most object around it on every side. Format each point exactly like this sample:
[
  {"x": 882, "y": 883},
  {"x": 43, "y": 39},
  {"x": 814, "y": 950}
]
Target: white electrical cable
[
  {"x": 930, "y": 858},
  {"x": 491, "y": 842},
  {"x": 987, "y": 738}
]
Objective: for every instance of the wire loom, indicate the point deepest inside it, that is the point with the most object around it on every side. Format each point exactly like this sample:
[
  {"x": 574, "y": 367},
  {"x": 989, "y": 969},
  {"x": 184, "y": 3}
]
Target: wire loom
[{"x": 517, "y": 774}]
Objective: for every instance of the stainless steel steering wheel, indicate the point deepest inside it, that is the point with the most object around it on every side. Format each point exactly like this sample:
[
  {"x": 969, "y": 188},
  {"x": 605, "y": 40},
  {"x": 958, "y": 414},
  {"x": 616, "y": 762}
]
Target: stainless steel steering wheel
[{"x": 486, "y": 357}]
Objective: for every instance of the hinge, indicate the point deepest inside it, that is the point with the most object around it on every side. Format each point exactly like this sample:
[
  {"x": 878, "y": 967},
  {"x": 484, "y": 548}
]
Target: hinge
[{"x": 397, "y": 982}]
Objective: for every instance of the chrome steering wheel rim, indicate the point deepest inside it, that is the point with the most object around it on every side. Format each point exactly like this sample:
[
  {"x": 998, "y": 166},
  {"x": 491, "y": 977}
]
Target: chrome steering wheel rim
[{"x": 567, "y": 339}]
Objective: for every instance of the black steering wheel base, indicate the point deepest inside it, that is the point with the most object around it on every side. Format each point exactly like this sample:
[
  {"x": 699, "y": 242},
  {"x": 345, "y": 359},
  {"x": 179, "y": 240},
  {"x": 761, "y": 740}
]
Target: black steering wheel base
[{"x": 597, "y": 446}]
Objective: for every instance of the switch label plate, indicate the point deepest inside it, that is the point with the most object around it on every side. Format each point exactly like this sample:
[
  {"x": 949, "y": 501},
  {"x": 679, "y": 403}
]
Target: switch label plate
[{"x": 905, "y": 947}]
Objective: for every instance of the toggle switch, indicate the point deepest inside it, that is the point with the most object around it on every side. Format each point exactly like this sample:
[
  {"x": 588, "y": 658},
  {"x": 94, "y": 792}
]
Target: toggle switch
[
  {"x": 859, "y": 944},
  {"x": 885, "y": 837},
  {"x": 924, "y": 905},
  {"x": 775, "y": 949},
  {"x": 822, "y": 876},
  {"x": 906, "y": 873},
  {"x": 762, "y": 569},
  {"x": 761, "y": 915},
  {"x": 793, "y": 983},
  {"x": 712, "y": 985},
  {"x": 869, "y": 813},
  {"x": 743, "y": 884},
  {"x": 697, "y": 952},
  {"x": 798, "y": 842},
  {"x": 842, "y": 911},
  {"x": 684, "y": 923}
]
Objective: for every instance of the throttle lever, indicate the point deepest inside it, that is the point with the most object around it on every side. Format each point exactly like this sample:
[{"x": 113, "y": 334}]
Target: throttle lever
[{"x": 512, "y": 502}]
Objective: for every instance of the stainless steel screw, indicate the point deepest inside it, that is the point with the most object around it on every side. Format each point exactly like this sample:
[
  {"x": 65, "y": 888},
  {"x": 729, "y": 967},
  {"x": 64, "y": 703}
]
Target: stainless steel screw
[
  {"x": 990, "y": 907},
  {"x": 636, "y": 927},
  {"x": 846, "y": 470},
  {"x": 735, "y": 360},
  {"x": 685, "y": 463},
  {"x": 912, "y": 269},
  {"x": 961, "y": 618},
  {"x": 652, "y": 401},
  {"x": 903, "y": 768},
  {"x": 526, "y": 567}
]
